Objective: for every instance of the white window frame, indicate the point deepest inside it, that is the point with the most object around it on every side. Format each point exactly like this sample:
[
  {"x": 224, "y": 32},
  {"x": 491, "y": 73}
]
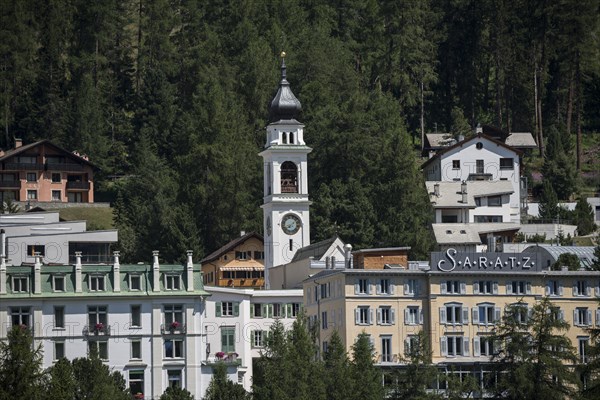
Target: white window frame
[
  {"x": 139, "y": 308},
  {"x": 554, "y": 288},
  {"x": 386, "y": 315},
  {"x": 178, "y": 348},
  {"x": 457, "y": 309},
  {"x": 172, "y": 313},
  {"x": 135, "y": 342},
  {"x": 581, "y": 288},
  {"x": 362, "y": 286},
  {"x": 227, "y": 309},
  {"x": 387, "y": 355},
  {"x": 363, "y": 315},
  {"x": 175, "y": 373},
  {"x": 101, "y": 347},
  {"x": 454, "y": 346},
  {"x": 55, "y": 197},
  {"x": 57, "y": 278},
  {"x": 486, "y": 314},
  {"x": 172, "y": 282},
  {"x": 20, "y": 312},
  {"x": 97, "y": 283},
  {"x": 132, "y": 278},
  {"x": 18, "y": 280},
  {"x": 413, "y": 315},
  {"x": 62, "y": 311},
  {"x": 582, "y": 316},
  {"x": 582, "y": 348},
  {"x": 57, "y": 356}
]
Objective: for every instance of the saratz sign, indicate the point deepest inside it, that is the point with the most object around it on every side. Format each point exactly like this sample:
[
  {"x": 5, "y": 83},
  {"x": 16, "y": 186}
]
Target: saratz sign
[{"x": 451, "y": 260}]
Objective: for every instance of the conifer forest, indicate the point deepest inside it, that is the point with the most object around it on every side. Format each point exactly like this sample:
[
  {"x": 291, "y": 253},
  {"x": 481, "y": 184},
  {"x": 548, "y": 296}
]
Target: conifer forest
[{"x": 170, "y": 99}]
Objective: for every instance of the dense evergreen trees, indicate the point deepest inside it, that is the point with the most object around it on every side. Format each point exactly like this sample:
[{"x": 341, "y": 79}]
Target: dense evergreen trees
[{"x": 181, "y": 88}]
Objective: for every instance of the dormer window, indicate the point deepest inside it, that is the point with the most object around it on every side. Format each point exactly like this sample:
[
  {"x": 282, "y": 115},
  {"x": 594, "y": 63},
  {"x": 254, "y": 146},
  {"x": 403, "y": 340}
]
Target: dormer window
[
  {"x": 58, "y": 283},
  {"x": 172, "y": 282},
  {"x": 289, "y": 177},
  {"x": 97, "y": 283},
  {"x": 20, "y": 284}
]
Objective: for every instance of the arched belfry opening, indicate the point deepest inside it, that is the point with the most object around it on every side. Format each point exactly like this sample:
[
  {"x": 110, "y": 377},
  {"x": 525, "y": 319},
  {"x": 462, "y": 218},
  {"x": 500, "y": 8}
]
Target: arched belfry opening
[{"x": 289, "y": 177}]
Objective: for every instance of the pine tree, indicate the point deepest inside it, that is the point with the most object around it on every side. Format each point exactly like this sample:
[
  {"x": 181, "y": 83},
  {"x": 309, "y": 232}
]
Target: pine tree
[
  {"x": 221, "y": 388},
  {"x": 62, "y": 384},
  {"x": 338, "y": 378},
  {"x": 96, "y": 381},
  {"x": 584, "y": 217},
  {"x": 177, "y": 393},
  {"x": 549, "y": 208},
  {"x": 366, "y": 376}
]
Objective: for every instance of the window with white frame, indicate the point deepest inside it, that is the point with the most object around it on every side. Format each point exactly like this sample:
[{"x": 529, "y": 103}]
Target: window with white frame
[
  {"x": 485, "y": 287},
  {"x": 518, "y": 312},
  {"x": 20, "y": 284},
  {"x": 58, "y": 283},
  {"x": 293, "y": 310},
  {"x": 97, "y": 315},
  {"x": 486, "y": 314},
  {"x": 324, "y": 324},
  {"x": 452, "y": 346},
  {"x": 411, "y": 345},
  {"x": 452, "y": 287},
  {"x": 385, "y": 315},
  {"x": 413, "y": 315},
  {"x": 384, "y": 287},
  {"x": 362, "y": 286},
  {"x": 386, "y": 349},
  {"x": 554, "y": 288},
  {"x": 99, "y": 347},
  {"x": 227, "y": 309},
  {"x": 173, "y": 313},
  {"x": 59, "y": 350},
  {"x": 278, "y": 311},
  {"x": 59, "y": 317},
  {"x": 506, "y": 163},
  {"x": 363, "y": 315},
  {"x": 582, "y": 288},
  {"x": 56, "y": 195},
  {"x": 258, "y": 338},
  {"x": 257, "y": 310},
  {"x": 20, "y": 316},
  {"x": 136, "y": 316},
  {"x": 483, "y": 346},
  {"x": 135, "y": 282},
  {"x": 172, "y": 282},
  {"x": 454, "y": 314},
  {"x": 173, "y": 348},
  {"x": 174, "y": 378},
  {"x": 136, "y": 349},
  {"x": 411, "y": 287},
  {"x": 136, "y": 382},
  {"x": 582, "y": 347},
  {"x": 518, "y": 287},
  {"x": 582, "y": 316},
  {"x": 96, "y": 283}
]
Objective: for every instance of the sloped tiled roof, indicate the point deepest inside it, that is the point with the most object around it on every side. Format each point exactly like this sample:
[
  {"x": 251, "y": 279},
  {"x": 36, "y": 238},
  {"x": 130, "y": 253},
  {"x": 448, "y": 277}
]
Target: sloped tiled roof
[
  {"x": 316, "y": 250},
  {"x": 436, "y": 140},
  {"x": 450, "y": 192},
  {"x": 13, "y": 152},
  {"x": 230, "y": 246},
  {"x": 452, "y": 233},
  {"x": 521, "y": 140}
]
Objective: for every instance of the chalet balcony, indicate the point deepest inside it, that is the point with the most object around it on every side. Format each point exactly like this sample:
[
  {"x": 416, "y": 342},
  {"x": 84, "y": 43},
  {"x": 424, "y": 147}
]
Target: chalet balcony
[
  {"x": 69, "y": 167},
  {"x": 17, "y": 166},
  {"x": 78, "y": 186},
  {"x": 231, "y": 359},
  {"x": 174, "y": 328},
  {"x": 237, "y": 282},
  {"x": 10, "y": 185},
  {"x": 96, "y": 330}
]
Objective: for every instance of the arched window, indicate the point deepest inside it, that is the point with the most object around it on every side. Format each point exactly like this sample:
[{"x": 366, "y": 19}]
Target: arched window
[
  {"x": 291, "y": 137},
  {"x": 284, "y": 137},
  {"x": 289, "y": 177}
]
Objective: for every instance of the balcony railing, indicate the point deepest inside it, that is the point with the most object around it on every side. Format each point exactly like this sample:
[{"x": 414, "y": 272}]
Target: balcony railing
[
  {"x": 289, "y": 188},
  {"x": 50, "y": 166},
  {"x": 16, "y": 166},
  {"x": 227, "y": 359},
  {"x": 10, "y": 184},
  {"x": 96, "y": 330},
  {"x": 78, "y": 186},
  {"x": 173, "y": 329}
]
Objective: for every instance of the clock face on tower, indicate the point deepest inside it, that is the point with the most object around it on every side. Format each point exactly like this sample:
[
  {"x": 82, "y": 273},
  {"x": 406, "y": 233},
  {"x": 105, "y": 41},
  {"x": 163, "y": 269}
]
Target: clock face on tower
[{"x": 290, "y": 224}]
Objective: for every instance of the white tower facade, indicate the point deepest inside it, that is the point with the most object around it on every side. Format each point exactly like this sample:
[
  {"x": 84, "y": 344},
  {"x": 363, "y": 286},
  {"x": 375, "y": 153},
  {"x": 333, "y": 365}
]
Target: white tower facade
[{"x": 285, "y": 203}]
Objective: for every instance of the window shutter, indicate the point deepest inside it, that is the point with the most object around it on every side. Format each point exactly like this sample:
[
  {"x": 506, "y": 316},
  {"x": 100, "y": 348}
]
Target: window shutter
[
  {"x": 476, "y": 347},
  {"x": 443, "y": 288},
  {"x": 328, "y": 289},
  {"x": 417, "y": 288},
  {"x": 288, "y": 311},
  {"x": 252, "y": 339},
  {"x": 575, "y": 290},
  {"x": 495, "y": 288},
  {"x": 598, "y": 317},
  {"x": 465, "y": 315},
  {"x": 379, "y": 316},
  {"x": 560, "y": 289},
  {"x": 356, "y": 288},
  {"x": 561, "y": 315},
  {"x": 442, "y": 315},
  {"x": 589, "y": 317},
  {"x": 378, "y": 288},
  {"x": 465, "y": 345},
  {"x": 391, "y": 288},
  {"x": 393, "y": 315},
  {"x": 528, "y": 287},
  {"x": 406, "y": 316},
  {"x": 444, "y": 346},
  {"x": 218, "y": 309},
  {"x": 356, "y": 316},
  {"x": 236, "y": 309},
  {"x": 332, "y": 318},
  {"x": 547, "y": 288},
  {"x": 406, "y": 346},
  {"x": 463, "y": 288},
  {"x": 588, "y": 290},
  {"x": 509, "y": 287},
  {"x": 421, "y": 317},
  {"x": 372, "y": 341},
  {"x": 370, "y": 316},
  {"x": 497, "y": 314},
  {"x": 475, "y": 312},
  {"x": 575, "y": 317},
  {"x": 406, "y": 288},
  {"x": 598, "y": 288},
  {"x": 264, "y": 312},
  {"x": 476, "y": 287},
  {"x": 270, "y": 310},
  {"x": 368, "y": 287}
]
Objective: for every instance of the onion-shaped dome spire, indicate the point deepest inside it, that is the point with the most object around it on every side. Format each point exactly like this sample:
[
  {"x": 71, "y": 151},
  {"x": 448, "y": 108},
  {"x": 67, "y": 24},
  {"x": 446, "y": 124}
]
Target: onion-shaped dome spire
[{"x": 284, "y": 106}]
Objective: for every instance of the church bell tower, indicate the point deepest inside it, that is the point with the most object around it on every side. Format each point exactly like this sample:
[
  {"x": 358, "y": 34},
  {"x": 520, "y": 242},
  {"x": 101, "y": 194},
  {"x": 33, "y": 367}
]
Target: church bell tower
[{"x": 285, "y": 202}]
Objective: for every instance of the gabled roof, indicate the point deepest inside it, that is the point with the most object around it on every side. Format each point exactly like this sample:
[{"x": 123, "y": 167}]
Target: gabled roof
[
  {"x": 451, "y": 195},
  {"x": 315, "y": 250},
  {"x": 13, "y": 152},
  {"x": 521, "y": 140},
  {"x": 230, "y": 246},
  {"x": 464, "y": 142},
  {"x": 457, "y": 233}
]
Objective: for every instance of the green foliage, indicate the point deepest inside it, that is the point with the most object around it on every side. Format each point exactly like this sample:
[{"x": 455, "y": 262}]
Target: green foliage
[
  {"x": 221, "y": 388},
  {"x": 549, "y": 208},
  {"x": 21, "y": 375},
  {"x": 535, "y": 357},
  {"x": 62, "y": 384},
  {"x": 584, "y": 217},
  {"x": 559, "y": 165},
  {"x": 569, "y": 260},
  {"x": 366, "y": 376},
  {"x": 337, "y": 374},
  {"x": 96, "y": 381},
  {"x": 177, "y": 393}
]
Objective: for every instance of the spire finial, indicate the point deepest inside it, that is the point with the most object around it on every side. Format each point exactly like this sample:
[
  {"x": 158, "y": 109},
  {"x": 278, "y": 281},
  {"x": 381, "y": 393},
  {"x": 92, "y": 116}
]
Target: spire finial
[
  {"x": 283, "y": 68},
  {"x": 284, "y": 106}
]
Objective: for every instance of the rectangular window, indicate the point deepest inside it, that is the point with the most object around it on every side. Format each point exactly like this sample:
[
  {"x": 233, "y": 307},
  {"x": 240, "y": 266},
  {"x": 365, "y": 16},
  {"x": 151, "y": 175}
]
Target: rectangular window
[
  {"x": 386, "y": 349},
  {"x": 56, "y": 177},
  {"x": 136, "y": 316},
  {"x": 582, "y": 316},
  {"x": 451, "y": 287},
  {"x": 257, "y": 310},
  {"x": 258, "y": 338},
  {"x": 362, "y": 286},
  {"x": 100, "y": 348},
  {"x": 20, "y": 316},
  {"x": 59, "y": 317},
  {"x": 96, "y": 283},
  {"x": 506, "y": 163},
  {"x": 455, "y": 164},
  {"x": 174, "y": 377},
  {"x": 26, "y": 159},
  {"x": 243, "y": 255},
  {"x": 581, "y": 288},
  {"x": 486, "y": 346},
  {"x": 36, "y": 248},
  {"x": 518, "y": 287},
  {"x": 411, "y": 344},
  {"x": 494, "y": 201},
  {"x": 455, "y": 345},
  {"x": 412, "y": 316},
  {"x": 59, "y": 350},
  {"x": 278, "y": 311},
  {"x": 363, "y": 315},
  {"x": 554, "y": 288},
  {"x": 97, "y": 316},
  {"x": 486, "y": 314},
  {"x": 20, "y": 284},
  {"x": 173, "y": 313},
  {"x": 135, "y": 282},
  {"x": 227, "y": 309},
  {"x": 295, "y": 310},
  {"x": 485, "y": 287},
  {"x": 136, "y": 382},
  {"x": 31, "y": 194},
  {"x": 56, "y": 195},
  {"x": 324, "y": 320},
  {"x": 136, "y": 349},
  {"x": 478, "y": 201},
  {"x": 582, "y": 347},
  {"x": 518, "y": 312},
  {"x": 173, "y": 348},
  {"x": 454, "y": 314},
  {"x": 259, "y": 255},
  {"x": 75, "y": 197},
  {"x": 58, "y": 283},
  {"x": 31, "y": 177},
  {"x": 384, "y": 286},
  {"x": 479, "y": 168},
  {"x": 386, "y": 315},
  {"x": 172, "y": 282},
  {"x": 325, "y": 290},
  {"x": 488, "y": 218},
  {"x": 411, "y": 287},
  {"x": 228, "y": 339}
]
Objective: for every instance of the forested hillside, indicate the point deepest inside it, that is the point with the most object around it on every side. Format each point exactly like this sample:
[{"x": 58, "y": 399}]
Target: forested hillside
[{"x": 170, "y": 98}]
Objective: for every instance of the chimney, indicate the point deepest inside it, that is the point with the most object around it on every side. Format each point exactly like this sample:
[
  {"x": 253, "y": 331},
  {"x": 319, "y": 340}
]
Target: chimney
[
  {"x": 78, "y": 280},
  {"x": 348, "y": 255},
  {"x": 155, "y": 272},
  {"x": 116, "y": 272},
  {"x": 2, "y": 275},
  {"x": 242, "y": 233},
  {"x": 327, "y": 261},
  {"x": 463, "y": 191},
  {"x": 460, "y": 138},
  {"x": 3, "y": 244},
  {"x": 332, "y": 262},
  {"x": 190, "y": 271},
  {"x": 18, "y": 143},
  {"x": 37, "y": 274},
  {"x": 436, "y": 191},
  {"x": 478, "y": 129}
]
